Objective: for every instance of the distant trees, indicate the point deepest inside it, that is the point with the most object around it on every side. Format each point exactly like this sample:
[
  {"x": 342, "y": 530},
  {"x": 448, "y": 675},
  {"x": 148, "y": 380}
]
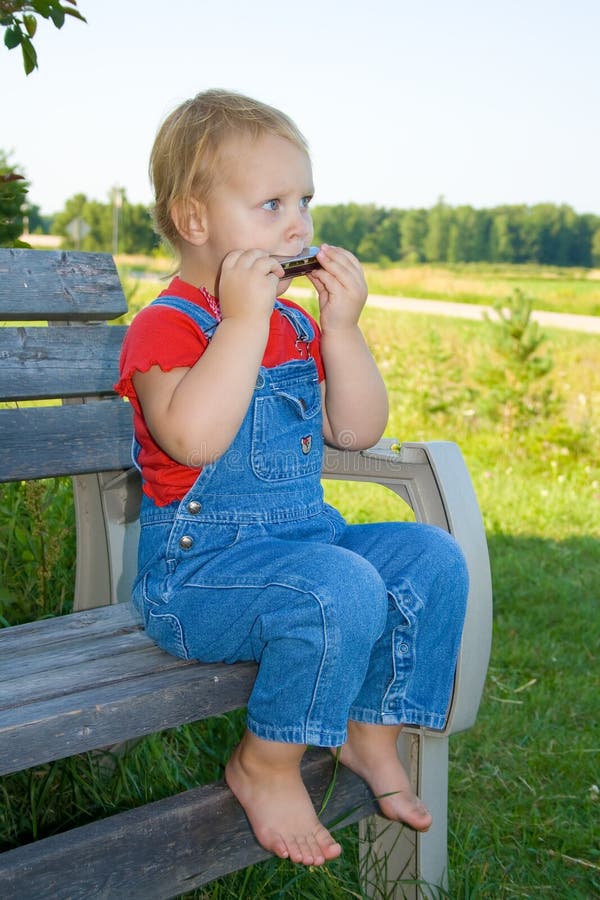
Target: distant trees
[
  {"x": 544, "y": 233},
  {"x": 129, "y": 224},
  {"x": 596, "y": 248}
]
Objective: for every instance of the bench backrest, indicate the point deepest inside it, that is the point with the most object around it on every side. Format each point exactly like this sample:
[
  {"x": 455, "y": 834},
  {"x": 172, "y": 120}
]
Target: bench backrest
[{"x": 60, "y": 414}]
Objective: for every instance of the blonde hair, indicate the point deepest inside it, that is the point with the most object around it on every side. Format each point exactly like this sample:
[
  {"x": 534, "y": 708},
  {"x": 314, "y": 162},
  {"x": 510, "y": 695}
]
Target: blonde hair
[{"x": 185, "y": 156}]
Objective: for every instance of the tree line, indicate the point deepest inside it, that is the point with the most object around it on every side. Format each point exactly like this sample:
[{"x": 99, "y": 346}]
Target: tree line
[{"x": 545, "y": 234}]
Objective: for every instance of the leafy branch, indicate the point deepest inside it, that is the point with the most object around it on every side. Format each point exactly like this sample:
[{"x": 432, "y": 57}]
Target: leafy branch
[
  {"x": 13, "y": 194},
  {"x": 19, "y": 20}
]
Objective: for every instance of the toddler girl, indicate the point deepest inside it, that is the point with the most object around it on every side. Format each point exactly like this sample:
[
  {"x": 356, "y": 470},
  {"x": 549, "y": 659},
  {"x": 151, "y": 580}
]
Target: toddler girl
[{"x": 355, "y": 628}]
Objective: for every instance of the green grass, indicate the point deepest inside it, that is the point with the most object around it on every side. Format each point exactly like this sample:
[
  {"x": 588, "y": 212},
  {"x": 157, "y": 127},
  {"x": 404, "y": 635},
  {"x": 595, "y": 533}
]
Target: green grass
[
  {"x": 524, "y": 799},
  {"x": 532, "y": 758}
]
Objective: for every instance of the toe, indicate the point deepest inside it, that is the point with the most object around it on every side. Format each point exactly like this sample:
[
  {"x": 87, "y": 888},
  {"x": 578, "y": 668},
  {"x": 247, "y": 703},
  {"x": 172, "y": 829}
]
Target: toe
[
  {"x": 328, "y": 846},
  {"x": 302, "y": 850}
]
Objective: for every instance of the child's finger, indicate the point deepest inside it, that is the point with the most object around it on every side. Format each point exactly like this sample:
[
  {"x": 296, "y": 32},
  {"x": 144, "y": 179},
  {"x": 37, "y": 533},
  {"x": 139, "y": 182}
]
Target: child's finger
[
  {"x": 342, "y": 270},
  {"x": 340, "y": 263},
  {"x": 249, "y": 258}
]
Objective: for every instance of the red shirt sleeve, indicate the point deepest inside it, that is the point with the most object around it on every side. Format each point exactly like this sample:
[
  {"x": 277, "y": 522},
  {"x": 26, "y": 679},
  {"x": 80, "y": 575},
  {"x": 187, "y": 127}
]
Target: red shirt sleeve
[{"x": 158, "y": 336}]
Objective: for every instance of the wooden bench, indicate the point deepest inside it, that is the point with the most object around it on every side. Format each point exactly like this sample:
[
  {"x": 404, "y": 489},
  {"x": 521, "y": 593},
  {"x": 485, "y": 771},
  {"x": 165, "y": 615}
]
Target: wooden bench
[{"x": 92, "y": 678}]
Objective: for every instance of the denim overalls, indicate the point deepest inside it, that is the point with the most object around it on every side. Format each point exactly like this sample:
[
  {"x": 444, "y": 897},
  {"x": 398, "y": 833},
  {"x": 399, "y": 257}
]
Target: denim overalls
[{"x": 345, "y": 621}]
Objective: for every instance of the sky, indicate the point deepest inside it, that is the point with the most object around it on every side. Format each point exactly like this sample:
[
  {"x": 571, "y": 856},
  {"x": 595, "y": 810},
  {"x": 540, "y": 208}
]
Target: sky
[{"x": 481, "y": 102}]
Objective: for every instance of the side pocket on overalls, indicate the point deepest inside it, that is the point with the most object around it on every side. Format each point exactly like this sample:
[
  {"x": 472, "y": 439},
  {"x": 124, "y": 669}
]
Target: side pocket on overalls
[{"x": 151, "y": 591}]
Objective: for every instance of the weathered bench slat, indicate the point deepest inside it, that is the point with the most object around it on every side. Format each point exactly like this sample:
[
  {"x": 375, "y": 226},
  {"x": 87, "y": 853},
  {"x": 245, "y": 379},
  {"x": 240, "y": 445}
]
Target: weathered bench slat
[
  {"x": 154, "y": 851},
  {"x": 62, "y": 654},
  {"x": 103, "y": 621},
  {"x": 53, "y": 675},
  {"x": 69, "y": 440},
  {"x": 107, "y": 714},
  {"x": 49, "y": 285},
  {"x": 38, "y": 362}
]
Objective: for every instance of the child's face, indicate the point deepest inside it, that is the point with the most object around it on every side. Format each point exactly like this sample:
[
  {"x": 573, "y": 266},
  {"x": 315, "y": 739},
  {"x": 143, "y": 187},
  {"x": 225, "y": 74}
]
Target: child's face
[{"x": 262, "y": 199}]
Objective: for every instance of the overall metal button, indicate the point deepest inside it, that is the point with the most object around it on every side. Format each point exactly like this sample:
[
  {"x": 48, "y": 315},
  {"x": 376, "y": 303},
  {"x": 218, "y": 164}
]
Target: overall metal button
[
  {"x": 194, "y": 507},
  {"x": 186, "y": 542},
  {"x": 260, "y": 381}
]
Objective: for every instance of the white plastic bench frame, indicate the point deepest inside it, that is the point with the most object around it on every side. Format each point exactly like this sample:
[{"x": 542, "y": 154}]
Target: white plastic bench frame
[{"x": 433, "y": 480}]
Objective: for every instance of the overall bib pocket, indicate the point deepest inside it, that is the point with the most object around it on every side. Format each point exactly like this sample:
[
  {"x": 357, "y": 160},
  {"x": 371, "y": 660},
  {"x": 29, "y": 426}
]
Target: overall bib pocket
[{"x": 287, "y": 438}]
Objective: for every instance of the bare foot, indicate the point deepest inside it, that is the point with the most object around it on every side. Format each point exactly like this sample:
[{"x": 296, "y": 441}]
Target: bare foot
[
  {"x": 265, "y": 777},
  {"x": 370, "y": 751}
]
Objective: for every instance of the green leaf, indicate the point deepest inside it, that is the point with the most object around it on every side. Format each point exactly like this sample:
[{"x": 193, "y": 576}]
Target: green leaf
[
  {"x": 57, "y": 15},
  {"x": 43, "y": 7},
  {"x": 29, "y": 55},
  {"x": 5, "y": 595},
  {"x": 30, "y": 23},
  {"x": 76, "y": 14},
  {"x": 13, "y": 37},
  {"x": 21, "y": 535}
]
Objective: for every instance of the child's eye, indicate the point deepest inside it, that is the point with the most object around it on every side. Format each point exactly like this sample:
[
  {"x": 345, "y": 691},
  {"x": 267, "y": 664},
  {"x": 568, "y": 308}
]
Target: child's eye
[
  {"x": 304, "y": 203},
  {"x": 273, "y": 205}
]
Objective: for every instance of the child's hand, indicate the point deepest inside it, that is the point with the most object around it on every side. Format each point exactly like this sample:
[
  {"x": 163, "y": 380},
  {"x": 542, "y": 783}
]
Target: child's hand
[
  {"x": 341, "y": 286},
  {"x": 248, "y": 284}
]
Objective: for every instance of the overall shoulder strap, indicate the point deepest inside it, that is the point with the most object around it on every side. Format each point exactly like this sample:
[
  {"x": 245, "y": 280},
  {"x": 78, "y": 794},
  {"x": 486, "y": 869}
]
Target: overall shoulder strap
[
  {"x": 298, "y": 319},
  {"x": 203, "y": 319}
]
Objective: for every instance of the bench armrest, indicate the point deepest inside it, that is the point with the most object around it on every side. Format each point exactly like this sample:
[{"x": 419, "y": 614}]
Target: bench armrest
[{"x": 433, "y": 480}]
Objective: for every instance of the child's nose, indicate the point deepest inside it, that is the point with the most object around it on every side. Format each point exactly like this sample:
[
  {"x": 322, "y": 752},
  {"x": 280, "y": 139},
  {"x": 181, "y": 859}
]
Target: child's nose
[
  {"x": 299, "y": 224},
  {"x": 299, "y": 232}
]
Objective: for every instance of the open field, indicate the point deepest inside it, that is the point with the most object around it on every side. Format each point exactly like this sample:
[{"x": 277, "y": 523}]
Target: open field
[
  {"x": 551, "y": 288},
  {"x": 524, "y": 782}
]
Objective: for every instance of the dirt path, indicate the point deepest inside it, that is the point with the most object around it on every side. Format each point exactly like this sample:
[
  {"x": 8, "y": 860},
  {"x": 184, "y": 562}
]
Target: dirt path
[{"x": 588, "y": 324}]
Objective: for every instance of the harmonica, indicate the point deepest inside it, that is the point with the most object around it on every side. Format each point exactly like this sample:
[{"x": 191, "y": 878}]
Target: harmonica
[{"x": 301, "y": 264}]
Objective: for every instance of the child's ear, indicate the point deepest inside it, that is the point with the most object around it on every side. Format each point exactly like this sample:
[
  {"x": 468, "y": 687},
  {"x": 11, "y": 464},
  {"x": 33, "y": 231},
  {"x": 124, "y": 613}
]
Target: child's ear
[{"x": 189, "y": 218}]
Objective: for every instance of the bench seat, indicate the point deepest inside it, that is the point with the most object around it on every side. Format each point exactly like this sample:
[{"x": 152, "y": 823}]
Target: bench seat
[{"x": 93, "y": 678}]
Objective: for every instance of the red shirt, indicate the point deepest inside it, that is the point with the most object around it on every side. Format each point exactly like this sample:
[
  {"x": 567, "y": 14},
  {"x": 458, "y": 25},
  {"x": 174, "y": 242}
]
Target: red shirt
[{"x": 162, "y": 336}]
